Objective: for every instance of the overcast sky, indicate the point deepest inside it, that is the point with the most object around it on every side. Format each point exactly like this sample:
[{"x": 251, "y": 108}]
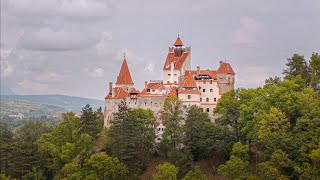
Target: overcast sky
[{"x": 75, "y": 47}]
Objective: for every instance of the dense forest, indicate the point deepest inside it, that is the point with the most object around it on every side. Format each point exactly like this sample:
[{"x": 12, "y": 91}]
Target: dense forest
[{"x": 269, "y": 132}]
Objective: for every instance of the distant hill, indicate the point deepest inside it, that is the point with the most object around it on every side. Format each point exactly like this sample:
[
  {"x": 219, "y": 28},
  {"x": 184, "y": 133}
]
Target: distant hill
[
  {"x": 28, "y": 109},
  {"x": 4, "y": 90},
  {"x": 70, "y": 103}
]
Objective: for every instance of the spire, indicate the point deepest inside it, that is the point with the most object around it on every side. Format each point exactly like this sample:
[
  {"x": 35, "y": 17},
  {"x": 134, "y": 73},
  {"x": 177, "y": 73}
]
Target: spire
[
  {"x": 178, "y": 41},
  {"x": 124, "y": 76}
]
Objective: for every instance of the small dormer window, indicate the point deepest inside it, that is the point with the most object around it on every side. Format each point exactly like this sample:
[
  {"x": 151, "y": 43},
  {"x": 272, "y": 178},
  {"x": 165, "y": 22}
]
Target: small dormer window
[{"x": 148, "y": 90}]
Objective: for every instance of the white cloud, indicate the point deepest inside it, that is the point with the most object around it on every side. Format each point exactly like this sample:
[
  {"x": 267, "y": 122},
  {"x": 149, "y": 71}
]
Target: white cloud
[
  {"x": 131, "y": 57},
  {"x": 149, "y": 68},
  {"x": 247, "y": 32},
  {"x": 6, "y": 68},
  {"x": 27, "y": 84},
  {"x": 48, "y": 39},
  {"x": 97, "y": 72}
]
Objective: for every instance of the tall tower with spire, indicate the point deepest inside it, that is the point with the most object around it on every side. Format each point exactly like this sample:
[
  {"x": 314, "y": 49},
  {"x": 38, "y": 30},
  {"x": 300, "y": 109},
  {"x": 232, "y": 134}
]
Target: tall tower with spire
[
  {"x": 124, "y": 79},
  {"x": 177, "y": 62}
]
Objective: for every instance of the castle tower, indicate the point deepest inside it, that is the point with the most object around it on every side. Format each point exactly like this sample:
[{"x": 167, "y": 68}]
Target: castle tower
[
  {"x": 124, "y": 79},
  {"x": 177, "y": 62},
  {"x": 225, "y": 77}
]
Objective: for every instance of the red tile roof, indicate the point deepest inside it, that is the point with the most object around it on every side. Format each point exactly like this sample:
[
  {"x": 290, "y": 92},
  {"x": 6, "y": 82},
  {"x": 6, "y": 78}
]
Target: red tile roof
[
  {"x": 155, "y": 85},
  {"x": 189, "y": 85},
  {"x": 225, "y": 68},
  {"x": 173, "y": 92},
  {"x": 133, "y": 91},
  {"x": 211, "y": 73},
  {"x": 119, "y": 93},
  {"x": 124, "y": 74},
  {"x": 178, "y": 42},
  {"x": 189, "y": 81},
  {"x": 177, "y": 61}
]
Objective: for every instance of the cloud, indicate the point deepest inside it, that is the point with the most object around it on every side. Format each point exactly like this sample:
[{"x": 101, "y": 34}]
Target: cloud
[
  {"x": 83, "y": 10},
  {"x": 27, "y": 84},
  {"x": 97, "y": 72},
  {"x": 6, "y": 68},
  {"x": 247, "y": 33},
  {"x": 48, "y": 39},
  {"x": 149, "y": 68}
]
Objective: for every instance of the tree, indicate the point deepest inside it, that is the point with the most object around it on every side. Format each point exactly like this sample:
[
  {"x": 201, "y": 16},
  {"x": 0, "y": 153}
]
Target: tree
[
  {"x": 65, "y": 143},
  {"x": 315, "y": 71},
  {"x": 166, "y": 171},
  {"x": 198, "y": 132},
  {"x": 130, "y": 136},
  {"x": 238, "y": 165},
  {"x": 278, "y": 167},
  {"x": 172, "y": 120},
  {"x": 197, "y": 174},
  {"x": 26, "y": 156},
  {"x": 6, "y": 148},
  {"x": 34, "y": 174},
  {"x": 274, "y": 130},
  {"x": 297, "y": 65},
  {"x": 92, "y": 122},
  {"x": 101, "y": 166}
]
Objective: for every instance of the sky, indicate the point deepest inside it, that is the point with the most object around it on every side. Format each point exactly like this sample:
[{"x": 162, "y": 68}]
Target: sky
[{"x": 75, "y": 47}]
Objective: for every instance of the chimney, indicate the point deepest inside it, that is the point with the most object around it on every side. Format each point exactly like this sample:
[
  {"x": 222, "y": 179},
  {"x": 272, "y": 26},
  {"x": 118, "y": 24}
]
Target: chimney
[
  {"x": 198, "y": 70},
  {"x": 145, "y": 84},
  {"x": 110, "y": 88}
]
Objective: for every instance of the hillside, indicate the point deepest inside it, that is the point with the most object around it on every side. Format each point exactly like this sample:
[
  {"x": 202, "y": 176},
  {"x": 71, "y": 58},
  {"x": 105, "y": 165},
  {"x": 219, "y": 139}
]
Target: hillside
[
  {"x": 12, "y": 107},
  {"x": 70, "y": 103}
]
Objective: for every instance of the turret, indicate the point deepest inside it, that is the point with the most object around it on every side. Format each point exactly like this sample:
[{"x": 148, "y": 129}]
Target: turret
[{"x": 225, "y": 77}]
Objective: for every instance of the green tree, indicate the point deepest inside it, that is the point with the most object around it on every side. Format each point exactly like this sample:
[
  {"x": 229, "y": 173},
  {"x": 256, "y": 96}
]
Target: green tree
[
  {"x": 199, "y": 132},
  {"x": 6, "y": 148},
  {"x": 274, "y": 130},
  {"x": 72, "y": 171},
  {"x": 172, "y": 116},
  {"x": 34, "y": 174},
  {"x": 166, "y": 171},
  {"x": 26, "y": 156},
  {"x": 65, "y": 143},
  {"x": 131, "y": 136},
  {"x": 101, "y": 166},
  {"x": 237, "y": 167},
  {"x": 278, "y": 167},
  {"x": 92, "y": 122},
  {"x": 315, "y": 71},
  {"x": 197, "y": 174},
  {"x": 297, "y": 65}
]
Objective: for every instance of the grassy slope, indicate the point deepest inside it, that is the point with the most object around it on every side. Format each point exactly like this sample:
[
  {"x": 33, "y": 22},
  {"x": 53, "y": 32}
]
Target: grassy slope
[
  {"x": 29, "y": 109},
  {"x": 71, "y": 103}
]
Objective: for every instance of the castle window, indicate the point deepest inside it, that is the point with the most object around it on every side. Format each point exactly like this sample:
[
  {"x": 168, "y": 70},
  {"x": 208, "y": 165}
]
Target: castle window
[
  {"x": 153, "y": 90},
  {"x": 208, "y": 110},
  {"x": 207, "y": 99},
  {"x": 148, "y": 90},
  {"x": 204, "y": 90},
  {"x": 199, "y": 88},
  {"x": 215, "y": 99},
  {"x": 210, "y": 81},
  {"x": 200, "y": 99},
  {"x": 175, "y": 74},
  {"x": 189, "y": 96},
  {"x": 211, "y": 90},
  {"x": 169, "y": 74}
]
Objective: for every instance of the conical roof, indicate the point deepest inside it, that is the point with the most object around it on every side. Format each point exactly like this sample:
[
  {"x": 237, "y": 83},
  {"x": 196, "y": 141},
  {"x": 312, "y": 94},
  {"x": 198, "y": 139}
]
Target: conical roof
[
  {"x": 124, "y": 76},
  {"x": 178, "y": 42}
]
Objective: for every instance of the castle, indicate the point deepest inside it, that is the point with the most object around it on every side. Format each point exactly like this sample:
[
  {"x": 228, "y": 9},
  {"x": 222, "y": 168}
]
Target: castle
[{"x": 192, "y": 87}]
